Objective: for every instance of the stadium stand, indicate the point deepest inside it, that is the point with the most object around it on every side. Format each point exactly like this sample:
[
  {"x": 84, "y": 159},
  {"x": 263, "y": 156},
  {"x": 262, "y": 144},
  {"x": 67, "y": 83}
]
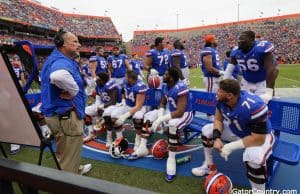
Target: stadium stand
[
  {"x": 283, "y": 31},
  {"x": 34, "y": 14},
  {"x": 31, "y": 21}
]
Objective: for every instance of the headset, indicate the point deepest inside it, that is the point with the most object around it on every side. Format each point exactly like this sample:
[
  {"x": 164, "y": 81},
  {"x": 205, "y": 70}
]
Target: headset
[{"x": 59, "y": 39}]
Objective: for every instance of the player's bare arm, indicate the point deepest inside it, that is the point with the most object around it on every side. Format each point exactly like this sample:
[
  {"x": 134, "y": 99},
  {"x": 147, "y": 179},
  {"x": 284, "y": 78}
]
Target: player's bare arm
[{"x": 207, "y": 59}]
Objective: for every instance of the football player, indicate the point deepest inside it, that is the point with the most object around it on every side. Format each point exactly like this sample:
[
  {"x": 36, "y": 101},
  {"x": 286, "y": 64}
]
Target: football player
[
  {"x": 178, "y": 60},
  {"x": 157, "y": 59},
  {"x": 209, "y": 58},
  {"x": 178, "y": 118},
  {"x": 118, "y": 64},
  {"x": 135, "y": 90},
  {"x": 136, "y": 65},
  {"x": 256, "y": 61},
  {"x": 108, "y": 94},
  {"x": 101, "y": 61},
  {"x": 241, "y": 119},
  {"x": 18, "y": 69}
]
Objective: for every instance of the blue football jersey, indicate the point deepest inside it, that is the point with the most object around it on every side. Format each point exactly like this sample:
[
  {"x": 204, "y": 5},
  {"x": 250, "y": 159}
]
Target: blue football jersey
[
  {"x": 132, "y": 91},
  {"x": 160, "y": 60},
  {"x": 118, "y": 65},
  {"x": 178, "y": 53},
  {"x": 86, "y": 70},
  {"x": 172, "y": 96},
  {"x": 249, "y": 109},
  {"x": 252, "y": 63},
  {"x": 136, "y": 66},
  {"x": 103, "y": 92},
  {"x": 101, "y": 65},
  {"x": 215, "y": 61}
]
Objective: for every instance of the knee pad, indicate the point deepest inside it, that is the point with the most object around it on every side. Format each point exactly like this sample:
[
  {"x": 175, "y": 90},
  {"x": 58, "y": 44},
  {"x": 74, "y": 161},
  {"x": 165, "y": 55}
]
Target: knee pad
[
  {"x": 146, "y": 129},
  {"x": 173, "y": 136},
  {"x": 108, "y": 122},
  {"x": 207, "y": 130},
  {"x": 256, "y": 173},
  {"x": 207, "y": 142},
  {"x": 138, "y": 124}
]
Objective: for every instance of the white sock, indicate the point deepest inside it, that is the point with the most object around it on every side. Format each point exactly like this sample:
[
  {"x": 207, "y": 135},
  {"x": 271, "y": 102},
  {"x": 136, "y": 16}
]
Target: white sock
[
  {"x": 171, "y": 163},
  {"x": 208, "y": 156},
  {"x": 143, "y": 143},
  {"x": 137, "y": 139},
  {"x": 119, "y": 133}
]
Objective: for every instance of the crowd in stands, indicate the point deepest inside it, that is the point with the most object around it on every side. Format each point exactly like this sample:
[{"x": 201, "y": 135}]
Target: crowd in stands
[
  {"x": 283, "y": 32},
  {"x": 9, "y": 39},
  {"x": 30, "y": 13}
]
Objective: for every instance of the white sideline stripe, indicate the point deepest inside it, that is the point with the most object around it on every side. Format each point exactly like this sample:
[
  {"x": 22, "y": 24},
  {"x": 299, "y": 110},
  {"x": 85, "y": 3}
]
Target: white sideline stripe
[
  {"x": 149, "y": 156},
  {"x": 290, "y": 79}
]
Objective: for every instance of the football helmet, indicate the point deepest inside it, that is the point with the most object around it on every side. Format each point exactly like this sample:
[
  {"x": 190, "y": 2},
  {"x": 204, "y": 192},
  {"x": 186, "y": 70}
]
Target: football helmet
[
  {"x": 217, "y": 183},
  {"x": 118, "y": 148},
  {"x": 153, "y": 81},
  {"x": 160, "y": 149}
]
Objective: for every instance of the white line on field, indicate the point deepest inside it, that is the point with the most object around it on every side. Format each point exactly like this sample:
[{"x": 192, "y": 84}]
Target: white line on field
[{"x": 291, "y": 79}]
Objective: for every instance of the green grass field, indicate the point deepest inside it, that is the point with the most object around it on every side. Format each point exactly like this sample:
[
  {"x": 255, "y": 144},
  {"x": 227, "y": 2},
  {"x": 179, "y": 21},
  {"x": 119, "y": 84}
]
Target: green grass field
[{"x": 289, "y": 77}]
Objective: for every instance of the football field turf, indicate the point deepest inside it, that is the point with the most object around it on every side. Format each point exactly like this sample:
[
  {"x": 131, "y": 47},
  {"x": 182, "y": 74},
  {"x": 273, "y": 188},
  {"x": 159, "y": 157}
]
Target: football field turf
[{"x": 288, "y": 77}]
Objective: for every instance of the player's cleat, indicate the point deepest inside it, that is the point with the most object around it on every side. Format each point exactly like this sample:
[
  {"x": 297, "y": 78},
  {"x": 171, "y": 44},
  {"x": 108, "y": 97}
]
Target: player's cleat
[
  {"x": 170, "y": 178},
  {"x": 132, "y": 156},
  {"x": 83, "y": 169},
  {"x": 201, "y": 170}
]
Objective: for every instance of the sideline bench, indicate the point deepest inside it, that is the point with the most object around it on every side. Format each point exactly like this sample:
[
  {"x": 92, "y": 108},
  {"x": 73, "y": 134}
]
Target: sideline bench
[
  {"x": 285, "y": 118},
  {"x": 203, "y": 103}
]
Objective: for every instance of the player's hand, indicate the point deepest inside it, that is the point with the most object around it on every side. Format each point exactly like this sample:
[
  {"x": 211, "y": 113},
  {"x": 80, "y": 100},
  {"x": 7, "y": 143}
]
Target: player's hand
[
  {"x": 155, "y": 124},
  {"x": 230, "y": 147},
  {"x": 221, "y": 73},
  {"x": 159, "y": 120},
  {"x": 153, "y": 72},
  {"x": 218, "y": 144},
  {"x": 267, "y": 96},
  {"x": 122, "y": 118}
]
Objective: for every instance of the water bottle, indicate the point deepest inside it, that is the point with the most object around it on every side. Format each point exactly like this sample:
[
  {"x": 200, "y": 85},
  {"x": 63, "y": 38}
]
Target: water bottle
[{"x": 183, "y": 159}]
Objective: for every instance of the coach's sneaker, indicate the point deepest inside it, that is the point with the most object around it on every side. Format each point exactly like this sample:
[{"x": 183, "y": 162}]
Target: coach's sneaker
[
  {"x": 14, "y": 148},
  {"x": 83, "y": 169},
  {"x": 202, "y": 170}
]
